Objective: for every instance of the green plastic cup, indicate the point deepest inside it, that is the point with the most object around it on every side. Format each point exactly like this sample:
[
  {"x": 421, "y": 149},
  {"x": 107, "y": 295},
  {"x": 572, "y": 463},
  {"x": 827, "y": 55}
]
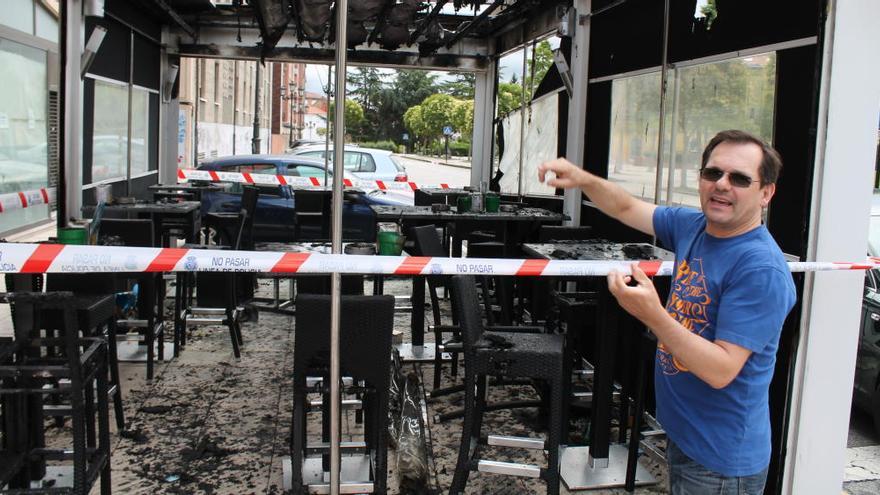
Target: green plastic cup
[
  {"x": 72, "y": 235},
  {"x": 463, "y": 203},
  {"x": 492, "y": 201},
  {"x": 390, "y": 243}
]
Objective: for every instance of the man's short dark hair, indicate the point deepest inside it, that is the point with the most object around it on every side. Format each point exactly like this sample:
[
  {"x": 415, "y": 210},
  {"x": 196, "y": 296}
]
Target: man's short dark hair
[{"x": 771, "y": 162}]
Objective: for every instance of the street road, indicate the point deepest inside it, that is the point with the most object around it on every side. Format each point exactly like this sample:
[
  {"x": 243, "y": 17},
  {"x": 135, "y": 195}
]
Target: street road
[{"x": 422, "y": 172}]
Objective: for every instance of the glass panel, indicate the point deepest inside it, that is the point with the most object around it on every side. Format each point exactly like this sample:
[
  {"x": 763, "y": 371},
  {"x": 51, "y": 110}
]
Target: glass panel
[
  {"x": 367, "y": 163},
  {"x": 110, "y": 140},
  {"x": 733, "y": 94},
  {"x": 635, "y": 115},
  {"x": 18, "y": 14},
  {"x": 140, "y": 129},
  {"x": 351, "y": 161},
  {"x": 23, "y": 130},
  {"x": 307, "y": 171},
  {"x": 47, "y": 25}
]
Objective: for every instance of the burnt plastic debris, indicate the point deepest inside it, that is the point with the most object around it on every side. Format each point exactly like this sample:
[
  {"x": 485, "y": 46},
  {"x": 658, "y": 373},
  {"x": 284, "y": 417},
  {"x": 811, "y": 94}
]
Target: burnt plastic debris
[
  {"x": 600, "y": 249},
  {"x": 395, "y": 387},
  {"x": 412, "y": 451}
]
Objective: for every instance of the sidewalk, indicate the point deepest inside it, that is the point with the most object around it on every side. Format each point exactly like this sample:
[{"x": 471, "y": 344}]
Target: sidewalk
[{"x": 454, "y": 161}]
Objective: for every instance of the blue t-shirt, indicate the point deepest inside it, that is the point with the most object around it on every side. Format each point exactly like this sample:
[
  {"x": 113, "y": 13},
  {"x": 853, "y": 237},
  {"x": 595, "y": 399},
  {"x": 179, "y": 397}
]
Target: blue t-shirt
[{"x": 739, "y": 290}]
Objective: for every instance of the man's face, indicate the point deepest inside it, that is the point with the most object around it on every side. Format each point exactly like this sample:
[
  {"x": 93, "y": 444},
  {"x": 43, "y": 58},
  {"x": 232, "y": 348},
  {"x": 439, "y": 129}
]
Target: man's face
[{"x": 732, "y": 210}]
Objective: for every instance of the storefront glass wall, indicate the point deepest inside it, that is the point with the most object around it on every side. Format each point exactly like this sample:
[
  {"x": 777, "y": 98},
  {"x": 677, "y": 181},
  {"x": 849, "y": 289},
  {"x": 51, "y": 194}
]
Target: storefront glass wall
[
  {"x": 23, "y": 128},
  {"x": 701, "y": 100}
]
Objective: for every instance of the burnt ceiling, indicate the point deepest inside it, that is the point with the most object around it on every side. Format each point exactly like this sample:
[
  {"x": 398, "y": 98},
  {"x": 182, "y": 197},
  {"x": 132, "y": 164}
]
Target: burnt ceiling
[{"x": 306, "y": 28}]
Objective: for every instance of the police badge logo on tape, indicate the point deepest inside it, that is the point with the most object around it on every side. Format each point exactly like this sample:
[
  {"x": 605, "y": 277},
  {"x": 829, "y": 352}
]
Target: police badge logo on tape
[
  {"x": 190, "y": 263},
  {"x": 130, "y": 263},
  {"x": 436, "y": 269}
]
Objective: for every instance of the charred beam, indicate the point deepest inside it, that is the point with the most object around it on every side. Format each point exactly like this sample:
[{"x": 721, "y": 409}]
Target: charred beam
[
  {"x": 474, "y": 23},
  {"x": 174, "y": 16},
  {"x": 375, "y": 58},
  {"x": 426, "y": 20}
]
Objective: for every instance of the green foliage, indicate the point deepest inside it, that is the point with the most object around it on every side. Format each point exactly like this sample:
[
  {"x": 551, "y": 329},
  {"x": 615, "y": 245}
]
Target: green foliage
[
  {"x": 456, "y": 148},
  {"x": 354, "y": 115},
  {"x": 509, "y": 97},
  {"x": 437, "y": 111},
  {"x": 462, "y": 87},
  {"x": 539, "y": 64},
  {"x": 463, "y": 117},
  {"x": 380, "y": 145}
]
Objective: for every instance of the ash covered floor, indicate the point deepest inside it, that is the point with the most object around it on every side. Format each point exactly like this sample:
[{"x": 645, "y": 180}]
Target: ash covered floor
[{"x": 208, "y": 423}]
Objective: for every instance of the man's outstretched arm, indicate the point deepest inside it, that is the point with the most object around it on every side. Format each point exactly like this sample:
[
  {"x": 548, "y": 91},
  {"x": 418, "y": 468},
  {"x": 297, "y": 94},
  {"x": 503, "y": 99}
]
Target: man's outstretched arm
[{"x": 611, "y": 199}]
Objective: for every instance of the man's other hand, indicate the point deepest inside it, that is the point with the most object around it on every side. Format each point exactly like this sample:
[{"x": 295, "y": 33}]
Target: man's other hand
[{"x": 636, "y": 294}]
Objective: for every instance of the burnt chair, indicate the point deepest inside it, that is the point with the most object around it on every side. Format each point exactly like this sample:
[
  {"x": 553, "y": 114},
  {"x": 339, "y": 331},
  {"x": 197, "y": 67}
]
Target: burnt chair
[
  {"x": 506, "y": 355},
  {"x": 428, "y": 243},
  {"x": 365, "y": 354},
  {"x": 151, "y": 287},
  {"x": 216, "y": 299},
  {"x": 312, "y": 215},
  {"x": 49, "y": 358}
]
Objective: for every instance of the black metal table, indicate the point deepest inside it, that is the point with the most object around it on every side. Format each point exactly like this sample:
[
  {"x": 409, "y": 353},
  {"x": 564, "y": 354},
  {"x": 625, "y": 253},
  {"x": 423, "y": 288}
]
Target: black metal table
[
  {"x": 603, "y": 464},
  {"x": 163, "y": 213},
  {"x": 195, "y": 189}
]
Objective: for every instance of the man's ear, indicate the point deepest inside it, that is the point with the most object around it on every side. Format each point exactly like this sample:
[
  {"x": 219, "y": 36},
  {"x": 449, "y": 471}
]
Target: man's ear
[{"x": 767, "y": 193}]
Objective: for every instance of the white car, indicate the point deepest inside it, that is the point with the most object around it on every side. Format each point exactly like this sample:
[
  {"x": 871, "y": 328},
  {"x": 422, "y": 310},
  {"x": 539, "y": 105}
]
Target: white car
[{"x": 362, "y": 163}]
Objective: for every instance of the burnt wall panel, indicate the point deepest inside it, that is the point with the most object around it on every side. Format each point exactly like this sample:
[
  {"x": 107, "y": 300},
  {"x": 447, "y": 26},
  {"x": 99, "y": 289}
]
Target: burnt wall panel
[
  {"x": 794, "y": 136},
  {"x": 112, "y": 59},
  {"x": 130, "y": 13},
  {"x": 626, "y": 37},
  {"x": 146, "y": 68}
]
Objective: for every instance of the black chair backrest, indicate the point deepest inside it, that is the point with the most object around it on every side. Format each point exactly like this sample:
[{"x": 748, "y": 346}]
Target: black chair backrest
[
  {"x": 132, "y": 232},
  {"x": 564, "y": 233},
  {"x": 428, "y": 243},
  {"x": 464, "y": 295},
  {"x": 365, "y": 334},
  {"x": 249, "y": 197}
]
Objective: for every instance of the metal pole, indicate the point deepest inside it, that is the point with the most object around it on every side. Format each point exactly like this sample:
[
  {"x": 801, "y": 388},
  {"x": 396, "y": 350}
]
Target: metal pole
[
  {"x": 336, "y": 284},
  {"x": 197, "y": 63},
  {"x": 522, "y": 123},
  {"x": 327, "y": 129},
  {"x": 255, "y": 144},
  {"x": 670, "y": 180},
  {"x": 290, "y": 111},
  {"x": 234, "y": 103},
  {"x": 662, "y": 127},
  {"x": 130, "y": 89},
  {"x": 71, "y": 112}
]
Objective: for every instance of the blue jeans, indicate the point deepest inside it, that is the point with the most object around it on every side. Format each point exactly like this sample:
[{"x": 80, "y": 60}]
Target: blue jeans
[{"x": 687, "y": 477}]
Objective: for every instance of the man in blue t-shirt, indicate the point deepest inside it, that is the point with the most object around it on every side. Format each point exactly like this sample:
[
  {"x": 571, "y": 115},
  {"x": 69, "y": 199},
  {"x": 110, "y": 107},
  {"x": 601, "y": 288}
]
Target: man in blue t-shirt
[{"x": 719, "y": 331}]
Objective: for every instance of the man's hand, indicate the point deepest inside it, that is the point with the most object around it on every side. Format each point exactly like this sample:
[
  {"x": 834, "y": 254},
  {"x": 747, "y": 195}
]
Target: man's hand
[
  {"x": 637, "y": 295},
  {"x": 561, "y": 173}
]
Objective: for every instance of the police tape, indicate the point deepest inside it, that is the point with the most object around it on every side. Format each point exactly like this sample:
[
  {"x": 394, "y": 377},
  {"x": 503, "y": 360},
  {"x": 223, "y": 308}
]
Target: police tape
[
  {"x": 62, "y": 258},
  {"x": 297, "y": 181},
  {"x": 25, "y": 199}
]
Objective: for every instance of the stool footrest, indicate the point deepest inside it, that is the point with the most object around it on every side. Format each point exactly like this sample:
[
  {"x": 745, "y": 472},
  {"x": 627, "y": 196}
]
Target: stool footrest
[
  {"x": 516, "y": 442},
  {"x": 509, "y": 468},
  {"x": 345, "y": 403},
  {"x": 204, "y": 321},
  {"x": 209, "y": 311},
  {"x": 323, "y": 447}
]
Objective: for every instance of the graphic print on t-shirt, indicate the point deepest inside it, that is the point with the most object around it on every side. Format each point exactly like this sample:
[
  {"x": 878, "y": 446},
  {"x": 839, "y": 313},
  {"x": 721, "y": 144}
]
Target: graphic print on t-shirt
[{"x": 687, "y": 303}]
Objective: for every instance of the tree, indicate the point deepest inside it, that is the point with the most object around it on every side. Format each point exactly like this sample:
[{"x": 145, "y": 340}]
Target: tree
[
  {"x": 437, "y": 112},
  {"x": 463, "y": 118},
  {"x": 462, "y": 86},
  {"x": 411, "y": 87},
  {"x": 414, "y": 122},
  {"x": 365, "y": 85},
  {"x": 538, "y": 67},
  {"x": 354, "y": 115},
  {"x": 509, "y": 97}
]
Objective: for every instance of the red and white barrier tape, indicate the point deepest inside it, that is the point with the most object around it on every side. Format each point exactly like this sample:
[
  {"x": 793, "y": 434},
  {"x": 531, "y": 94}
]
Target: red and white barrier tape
[
  {"x": 25, "y": 199},
  {"x": 290, "y": 180},
  {"x": 61, "y": 258}
]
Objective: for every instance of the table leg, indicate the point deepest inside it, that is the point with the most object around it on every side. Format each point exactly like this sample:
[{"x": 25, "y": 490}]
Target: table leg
[
  {"x": 603, "y": 378},
  {"x": 418, "y": 311}
]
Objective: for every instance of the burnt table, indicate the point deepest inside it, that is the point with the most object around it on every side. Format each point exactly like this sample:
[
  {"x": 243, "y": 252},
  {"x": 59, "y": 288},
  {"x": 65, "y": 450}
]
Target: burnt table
[
  {"x": 163, "y": 213},
  {"x": 603, "y": 464},
  {"x": 501, "y": 222}
]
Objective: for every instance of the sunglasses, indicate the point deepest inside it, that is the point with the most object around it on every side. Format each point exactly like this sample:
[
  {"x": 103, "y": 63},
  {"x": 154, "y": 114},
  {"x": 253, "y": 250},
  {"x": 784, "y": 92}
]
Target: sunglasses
[{"x": 736, "y": 179}]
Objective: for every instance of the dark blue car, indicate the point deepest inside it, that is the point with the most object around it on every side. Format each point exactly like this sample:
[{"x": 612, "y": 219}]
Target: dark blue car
[{"x": 276, "y": 218}]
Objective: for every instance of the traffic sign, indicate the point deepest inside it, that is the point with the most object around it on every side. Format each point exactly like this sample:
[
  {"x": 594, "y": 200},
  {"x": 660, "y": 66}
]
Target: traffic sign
[{"x": 447, "y": 130}]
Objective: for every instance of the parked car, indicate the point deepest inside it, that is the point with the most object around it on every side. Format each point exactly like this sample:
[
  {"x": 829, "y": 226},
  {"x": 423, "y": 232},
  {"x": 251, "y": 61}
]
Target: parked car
[
  {"x": 363, "y": 163},
  {"x": 866, "y": 393},
  {"x": 276, "y": 206}
]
